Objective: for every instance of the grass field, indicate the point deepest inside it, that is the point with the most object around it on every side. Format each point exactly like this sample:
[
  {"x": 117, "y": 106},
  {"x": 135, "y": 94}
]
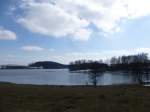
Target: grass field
[{"x": 30, "y": 98}]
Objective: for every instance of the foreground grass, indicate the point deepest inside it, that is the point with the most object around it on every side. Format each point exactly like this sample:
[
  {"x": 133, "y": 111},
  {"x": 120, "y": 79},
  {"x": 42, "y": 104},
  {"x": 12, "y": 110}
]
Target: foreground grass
[{"x": 29, "y": 98}]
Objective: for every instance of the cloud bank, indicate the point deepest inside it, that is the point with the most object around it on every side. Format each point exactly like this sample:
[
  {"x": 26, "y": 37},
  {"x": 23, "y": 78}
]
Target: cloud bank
[
  {"x": 104, "y": 55},
  {"x": 73, "y": 18},
  {"x": 7, "y": 34}
]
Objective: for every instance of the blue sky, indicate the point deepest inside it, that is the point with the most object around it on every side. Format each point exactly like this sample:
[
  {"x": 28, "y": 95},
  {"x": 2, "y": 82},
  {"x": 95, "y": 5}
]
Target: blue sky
[{"x": 67, "y": 30}]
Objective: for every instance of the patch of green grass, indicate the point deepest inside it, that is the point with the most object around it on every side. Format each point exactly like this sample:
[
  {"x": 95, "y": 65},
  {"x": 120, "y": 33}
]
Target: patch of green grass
[{"x": 30, "y": 98}]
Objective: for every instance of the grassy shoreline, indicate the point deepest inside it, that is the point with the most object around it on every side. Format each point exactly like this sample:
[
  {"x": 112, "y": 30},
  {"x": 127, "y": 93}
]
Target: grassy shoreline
[{"x": 44, "y": 98}]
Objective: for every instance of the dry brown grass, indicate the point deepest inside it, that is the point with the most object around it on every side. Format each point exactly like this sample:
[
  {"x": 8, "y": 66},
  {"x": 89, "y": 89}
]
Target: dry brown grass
[{"x": 29, "y": 98}]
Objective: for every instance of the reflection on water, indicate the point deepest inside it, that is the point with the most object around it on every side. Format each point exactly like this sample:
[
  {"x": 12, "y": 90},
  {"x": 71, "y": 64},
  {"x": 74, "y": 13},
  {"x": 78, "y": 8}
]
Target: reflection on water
[{"x": 64, "y": 77}]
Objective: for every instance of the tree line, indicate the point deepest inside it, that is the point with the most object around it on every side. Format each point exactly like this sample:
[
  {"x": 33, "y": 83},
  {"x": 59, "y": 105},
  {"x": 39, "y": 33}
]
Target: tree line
[
  {"x": 86, "y": 65},
  {"x": 139, "y": 62}
]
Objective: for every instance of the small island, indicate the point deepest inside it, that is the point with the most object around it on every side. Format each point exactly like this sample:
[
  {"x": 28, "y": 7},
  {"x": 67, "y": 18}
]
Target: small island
[{"x": 37, "y": 65}]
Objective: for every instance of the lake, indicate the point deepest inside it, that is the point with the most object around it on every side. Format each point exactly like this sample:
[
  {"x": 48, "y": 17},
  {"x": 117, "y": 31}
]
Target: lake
[{"x": 64, "y": 77}]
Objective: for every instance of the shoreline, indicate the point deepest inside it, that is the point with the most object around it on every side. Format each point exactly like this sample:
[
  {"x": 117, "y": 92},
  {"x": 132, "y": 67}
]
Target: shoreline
[{"x": 92, "y": 86}]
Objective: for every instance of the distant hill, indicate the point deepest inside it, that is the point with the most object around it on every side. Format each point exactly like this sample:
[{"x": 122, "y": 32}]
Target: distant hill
[{"x": 48, "y": 65}]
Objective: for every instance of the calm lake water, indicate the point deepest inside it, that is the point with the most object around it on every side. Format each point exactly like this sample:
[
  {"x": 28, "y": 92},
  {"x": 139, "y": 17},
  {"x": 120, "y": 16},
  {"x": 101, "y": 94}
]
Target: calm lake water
[{"x": 64, "y": 77}]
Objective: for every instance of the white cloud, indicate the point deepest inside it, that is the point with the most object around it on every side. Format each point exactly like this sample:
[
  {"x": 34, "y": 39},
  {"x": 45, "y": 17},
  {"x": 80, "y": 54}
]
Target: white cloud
[
  {"x": 82, "y": 34},
  {"x": 7, "y": 34},
  {"x": 32, "y": 48},
  {"x": 51, "y": 20},
  {"x": 60, "y": 18}
]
